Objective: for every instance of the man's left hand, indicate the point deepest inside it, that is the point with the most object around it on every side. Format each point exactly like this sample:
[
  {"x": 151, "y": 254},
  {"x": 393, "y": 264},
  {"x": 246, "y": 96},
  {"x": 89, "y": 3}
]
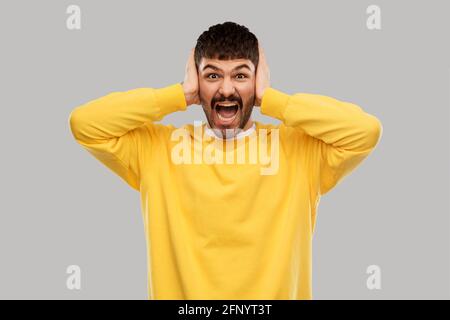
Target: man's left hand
[{"x": 262, "y": 77}]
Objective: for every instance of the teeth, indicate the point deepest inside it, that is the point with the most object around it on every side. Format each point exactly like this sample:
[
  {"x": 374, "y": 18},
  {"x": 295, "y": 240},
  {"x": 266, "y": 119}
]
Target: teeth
[{"x": 227, "y": 105}]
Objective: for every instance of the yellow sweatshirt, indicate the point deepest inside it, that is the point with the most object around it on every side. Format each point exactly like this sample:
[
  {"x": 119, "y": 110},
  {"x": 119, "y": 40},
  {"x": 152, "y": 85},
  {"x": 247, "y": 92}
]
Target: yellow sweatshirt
[{"x": 218, "y": 229}]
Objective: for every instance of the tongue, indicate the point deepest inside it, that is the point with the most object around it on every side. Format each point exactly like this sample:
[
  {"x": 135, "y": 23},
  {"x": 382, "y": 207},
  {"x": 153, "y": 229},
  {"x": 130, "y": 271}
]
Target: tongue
[{"x": 227, "y": 112}]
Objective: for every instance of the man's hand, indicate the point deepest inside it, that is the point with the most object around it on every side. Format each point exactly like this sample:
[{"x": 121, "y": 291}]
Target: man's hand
[
  {"x": 190, "y": 83},
  {"x": 262, "y": 77}
]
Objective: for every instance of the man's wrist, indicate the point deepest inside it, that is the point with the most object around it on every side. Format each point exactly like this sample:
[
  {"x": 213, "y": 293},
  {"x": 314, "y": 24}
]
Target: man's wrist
[
  {"x": 189, "y": 96},
  {"x": 274, "y": 102},
  {"x": 170, "y": 99}
]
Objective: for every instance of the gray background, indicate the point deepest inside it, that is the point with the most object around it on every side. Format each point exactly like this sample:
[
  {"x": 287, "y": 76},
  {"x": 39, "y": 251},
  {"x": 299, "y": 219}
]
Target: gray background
[{"x": 60, "y": 206}]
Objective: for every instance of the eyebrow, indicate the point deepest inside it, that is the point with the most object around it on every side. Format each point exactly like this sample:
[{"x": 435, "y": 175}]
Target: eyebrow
[{"x": 236, "y": 68}]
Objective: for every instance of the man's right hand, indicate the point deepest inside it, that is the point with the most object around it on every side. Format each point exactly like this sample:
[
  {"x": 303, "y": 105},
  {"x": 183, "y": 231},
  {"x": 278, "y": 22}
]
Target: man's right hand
[{"x": 190, "y": 83}]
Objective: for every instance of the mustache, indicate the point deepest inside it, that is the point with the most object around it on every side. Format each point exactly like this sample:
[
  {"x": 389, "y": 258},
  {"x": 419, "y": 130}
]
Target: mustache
[{"x": 235, "y": 99}]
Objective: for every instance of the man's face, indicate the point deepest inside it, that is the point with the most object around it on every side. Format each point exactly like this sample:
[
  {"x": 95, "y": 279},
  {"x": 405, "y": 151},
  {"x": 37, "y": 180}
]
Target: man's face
[{"x": 227, "y": 92}]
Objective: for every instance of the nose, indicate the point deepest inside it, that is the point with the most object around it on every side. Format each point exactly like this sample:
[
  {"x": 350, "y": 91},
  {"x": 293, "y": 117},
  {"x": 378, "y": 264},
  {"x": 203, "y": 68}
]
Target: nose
[{"x": 227, "y": 88}]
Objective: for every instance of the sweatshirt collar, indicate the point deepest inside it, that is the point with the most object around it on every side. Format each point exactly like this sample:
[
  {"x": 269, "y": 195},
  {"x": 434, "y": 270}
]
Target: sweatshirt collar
[{"x": 217, "y": 133}]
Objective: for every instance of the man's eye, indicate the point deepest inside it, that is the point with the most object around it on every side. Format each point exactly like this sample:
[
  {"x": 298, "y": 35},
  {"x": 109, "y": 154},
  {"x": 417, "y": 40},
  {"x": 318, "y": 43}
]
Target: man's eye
[{"x": 239, "y": 76}]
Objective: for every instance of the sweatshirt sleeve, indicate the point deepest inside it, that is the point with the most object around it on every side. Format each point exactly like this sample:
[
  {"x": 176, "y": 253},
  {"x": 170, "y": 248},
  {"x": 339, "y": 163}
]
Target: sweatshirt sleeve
[
  {"x": 342, "y": 135},
  {"x": 108, "y": 127}
]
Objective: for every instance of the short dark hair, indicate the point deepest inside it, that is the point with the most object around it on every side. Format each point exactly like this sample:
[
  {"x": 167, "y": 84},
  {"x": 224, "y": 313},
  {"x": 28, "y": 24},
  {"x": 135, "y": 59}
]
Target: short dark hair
[{"x": 227, "y": 41}]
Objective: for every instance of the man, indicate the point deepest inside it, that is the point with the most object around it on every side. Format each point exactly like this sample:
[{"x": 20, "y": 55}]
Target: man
[{"x": 221, "y": 229}]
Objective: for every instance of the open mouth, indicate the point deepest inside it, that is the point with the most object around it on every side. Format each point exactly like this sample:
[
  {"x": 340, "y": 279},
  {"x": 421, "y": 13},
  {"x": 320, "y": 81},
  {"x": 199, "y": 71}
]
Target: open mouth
[{"x": 226, "y": 113}]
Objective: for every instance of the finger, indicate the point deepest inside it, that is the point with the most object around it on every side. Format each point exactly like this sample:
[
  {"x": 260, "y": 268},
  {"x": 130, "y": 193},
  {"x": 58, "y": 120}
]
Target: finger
[
  {"x": 262, "y": 57},
  {"x": 261, "y": 50},
  {"x": 192, "y": 60},
  {"x": 263, "y": 54},
  {"x": 188, "y": 62}
]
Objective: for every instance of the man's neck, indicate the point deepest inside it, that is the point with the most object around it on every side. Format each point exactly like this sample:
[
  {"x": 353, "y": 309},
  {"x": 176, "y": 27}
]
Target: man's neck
[
  {"x": 248, "y": 128},
  {"x": 248, "y": 125}
]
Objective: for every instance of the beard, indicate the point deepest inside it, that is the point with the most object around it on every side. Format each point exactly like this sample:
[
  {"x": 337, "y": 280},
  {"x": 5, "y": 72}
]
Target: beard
[{"x": 225, "y": 127}]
